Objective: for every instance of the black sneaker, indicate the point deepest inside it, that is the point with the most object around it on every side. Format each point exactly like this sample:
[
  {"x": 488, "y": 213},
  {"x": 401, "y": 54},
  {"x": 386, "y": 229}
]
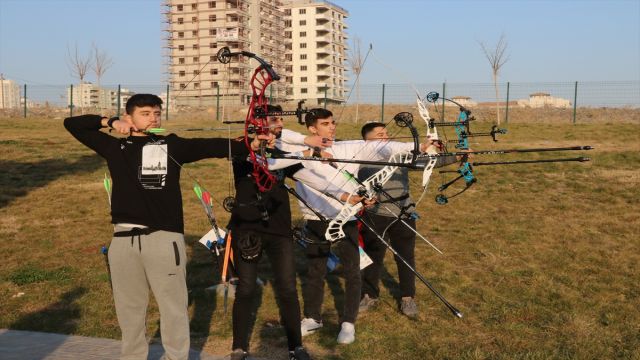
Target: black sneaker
[
  {"x": 299, "y": 354},
  {"x": 239, "y": 354}
]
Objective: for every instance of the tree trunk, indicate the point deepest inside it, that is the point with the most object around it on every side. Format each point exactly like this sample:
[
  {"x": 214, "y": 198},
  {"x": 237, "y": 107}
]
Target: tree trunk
[{"x": 495, "y": 86}]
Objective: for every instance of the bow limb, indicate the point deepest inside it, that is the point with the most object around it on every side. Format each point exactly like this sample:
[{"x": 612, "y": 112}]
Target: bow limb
[
  {"x": 256, "y": 120},
  {"x": 431, "y": 135},
  {"x": 367, "y": 190}
]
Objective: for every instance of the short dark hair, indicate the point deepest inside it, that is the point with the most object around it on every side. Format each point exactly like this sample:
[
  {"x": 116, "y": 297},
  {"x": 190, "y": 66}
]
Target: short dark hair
[
  {"x": 142, "y": 100},
  {"x": 368, "y": 127},
  {"x": 311, "y": 119}
]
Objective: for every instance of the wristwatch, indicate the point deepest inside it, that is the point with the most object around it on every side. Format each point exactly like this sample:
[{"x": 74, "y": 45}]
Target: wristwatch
[{"x": 111, "y": 120}]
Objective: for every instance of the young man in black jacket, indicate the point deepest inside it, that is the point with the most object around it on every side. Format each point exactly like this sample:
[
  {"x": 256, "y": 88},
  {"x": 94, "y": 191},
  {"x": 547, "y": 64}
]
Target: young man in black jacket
[
  {"x": 262, "y": 221},
  {"x": 147, "y": 249}
]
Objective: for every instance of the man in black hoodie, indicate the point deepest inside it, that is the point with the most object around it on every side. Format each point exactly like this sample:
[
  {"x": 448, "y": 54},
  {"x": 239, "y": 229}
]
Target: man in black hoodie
[{"x": 147, "y": 249}]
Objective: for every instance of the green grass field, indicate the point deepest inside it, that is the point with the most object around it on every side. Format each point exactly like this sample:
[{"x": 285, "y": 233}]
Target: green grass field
[{"x": 542, "y": 259}]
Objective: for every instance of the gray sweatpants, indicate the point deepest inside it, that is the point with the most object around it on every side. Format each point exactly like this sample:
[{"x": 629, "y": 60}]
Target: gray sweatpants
[{"x": 158, "y": 261}]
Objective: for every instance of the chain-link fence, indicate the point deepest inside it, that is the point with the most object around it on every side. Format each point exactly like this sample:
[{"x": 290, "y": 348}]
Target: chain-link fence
[{"x": 219, "y": 103}]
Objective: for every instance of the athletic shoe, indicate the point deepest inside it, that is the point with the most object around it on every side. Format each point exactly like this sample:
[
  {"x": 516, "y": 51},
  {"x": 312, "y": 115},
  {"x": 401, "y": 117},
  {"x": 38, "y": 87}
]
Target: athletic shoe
[
  {"x": 309, "y": 325},
  {"x": 367, "y": 303},
  {"x": 409, "y": 307},
  {"x": 299, "y": 354},
  {"x": 239, "y": 354},
  {"x": 347, "y": 333}
]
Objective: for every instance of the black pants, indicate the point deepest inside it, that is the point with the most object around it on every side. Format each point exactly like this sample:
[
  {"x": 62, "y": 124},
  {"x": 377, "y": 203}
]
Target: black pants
[
  {"x": 402, "y": 239},
  {"x": 279, "y": 249},
  {"x": 317, "y": 255}
]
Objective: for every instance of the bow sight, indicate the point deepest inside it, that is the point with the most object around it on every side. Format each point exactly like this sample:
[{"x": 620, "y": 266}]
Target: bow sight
[
  {"x": 465, "y": 169},
  {"x": 298, "y": 112}
]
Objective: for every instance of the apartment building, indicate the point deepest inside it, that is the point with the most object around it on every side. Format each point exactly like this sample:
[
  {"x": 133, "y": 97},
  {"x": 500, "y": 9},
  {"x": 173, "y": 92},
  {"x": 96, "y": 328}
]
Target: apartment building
[
  {"x": 316, "y": 50},
  {"x": 9, "y": 94},
  {"x": 196, "y": 30},
  {"x": 88, "y": 95}
]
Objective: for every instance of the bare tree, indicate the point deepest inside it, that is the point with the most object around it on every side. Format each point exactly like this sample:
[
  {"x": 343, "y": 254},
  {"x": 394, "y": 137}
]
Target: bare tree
[
  {"x": 78, "y": 65},
  {"x": 497, "y": 57},
  {"x": 356, "y": 62},
  {"x": 101, "y": 63}
]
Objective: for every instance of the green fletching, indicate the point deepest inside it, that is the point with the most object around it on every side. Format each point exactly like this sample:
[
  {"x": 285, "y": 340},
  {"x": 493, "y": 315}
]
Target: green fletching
[
  {"x": 156, "y": 130},
  {"x": 107, "y": 183},
  {"x": 347, "y": 174},
  {"x": 198, "y": 191}
]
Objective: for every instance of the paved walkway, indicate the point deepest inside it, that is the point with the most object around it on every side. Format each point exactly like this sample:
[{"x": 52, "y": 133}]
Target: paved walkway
[{"x": 30, "y": 345}]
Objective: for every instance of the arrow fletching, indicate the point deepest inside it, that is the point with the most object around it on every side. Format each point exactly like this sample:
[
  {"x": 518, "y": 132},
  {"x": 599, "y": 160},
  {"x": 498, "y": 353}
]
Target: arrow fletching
[
  {"x": 155, "y": 130},
  {"x": 198, "y": 191}
]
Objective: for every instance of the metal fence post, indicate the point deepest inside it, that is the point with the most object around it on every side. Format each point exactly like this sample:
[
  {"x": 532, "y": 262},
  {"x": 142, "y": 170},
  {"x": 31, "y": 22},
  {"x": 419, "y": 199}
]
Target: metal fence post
[
  {"x": 444, "y": 94},
  {"x": 506, "y": 115},
  {"x": 217, "y": 102},
  {"x": 382, "y": 111},
  {"x": 166, "y": 114},
  {"x": 71, "y": 100},
  {"x": 118, "y": 111},
  {"x": 25, "y": 99},
  {"x": 575, "y": 102},
  {"x": 326, "y": 88}
]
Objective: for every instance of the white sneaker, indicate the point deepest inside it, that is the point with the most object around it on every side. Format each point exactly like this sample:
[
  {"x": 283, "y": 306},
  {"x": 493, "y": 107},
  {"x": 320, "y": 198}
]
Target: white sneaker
[
  {"x": 309, "y": 325},
  {"x": 347, "y": 333}
]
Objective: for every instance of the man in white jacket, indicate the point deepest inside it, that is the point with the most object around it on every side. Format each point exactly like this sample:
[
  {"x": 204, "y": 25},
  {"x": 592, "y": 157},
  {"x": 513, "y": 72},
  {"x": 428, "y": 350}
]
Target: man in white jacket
[{"x": 320, "y": 123}]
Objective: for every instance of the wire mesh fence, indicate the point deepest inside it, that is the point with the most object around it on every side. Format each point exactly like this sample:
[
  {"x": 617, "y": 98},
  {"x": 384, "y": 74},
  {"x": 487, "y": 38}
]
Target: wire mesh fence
[{"x": 65, "y": 100}]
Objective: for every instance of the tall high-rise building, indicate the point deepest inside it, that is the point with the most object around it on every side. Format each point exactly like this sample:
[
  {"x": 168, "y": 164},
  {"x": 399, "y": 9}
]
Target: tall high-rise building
[
  {"x": 316, "y": 50},
  {"x": 196, "y": 30},
  {"x": 311, "y": 65}
]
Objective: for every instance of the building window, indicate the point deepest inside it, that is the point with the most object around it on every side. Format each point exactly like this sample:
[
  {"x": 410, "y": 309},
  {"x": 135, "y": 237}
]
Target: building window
[
  {"x": 303, "y": 79},
  {"x": 214, "y": 84},
  {"x": 287, "y": 34},
  {"x": 288, "y": 57},
  {"x": 213, "y": 45},
  {"x": 303, "y": 45},
  {"x": 302, "y": 11},
  {"x": 194, "y": 19},
  {"x": 195, "y": 46},
  {"x": 303, "y": 68},
  {"x": 194, "y": 6},
  {"x": 182, "y": 86},
  {"x": 212, "y": 18},
  {"x": 303, "y": 33},
  {"x": 195, "y": 59},
  {"x": 303, "y": 90},
  {"x": 212, "y": 58},
  {"x": 214, "y": 71},
  {"x": 181, "y": 47},
  {"x": 212, "y": 31},
  {"x": 182, "y": 73},
  {"x": 180, "y": 34},
  {"x": 303, "y": 22},
  {"x": 303, "y": 56},
  {"x": 196, "y": 85},
  {"x": 194, "y": 33},
  {"x": 212, "y": 4},
  {"x": 180, "y": 21},
  {"x": 287, "y": 12},
  {"x": 180, "y": 60},
  {"x": 195, "y": 72},
  {"x": 287, "y": 23},
  {"x": 180, "y": 8}
]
